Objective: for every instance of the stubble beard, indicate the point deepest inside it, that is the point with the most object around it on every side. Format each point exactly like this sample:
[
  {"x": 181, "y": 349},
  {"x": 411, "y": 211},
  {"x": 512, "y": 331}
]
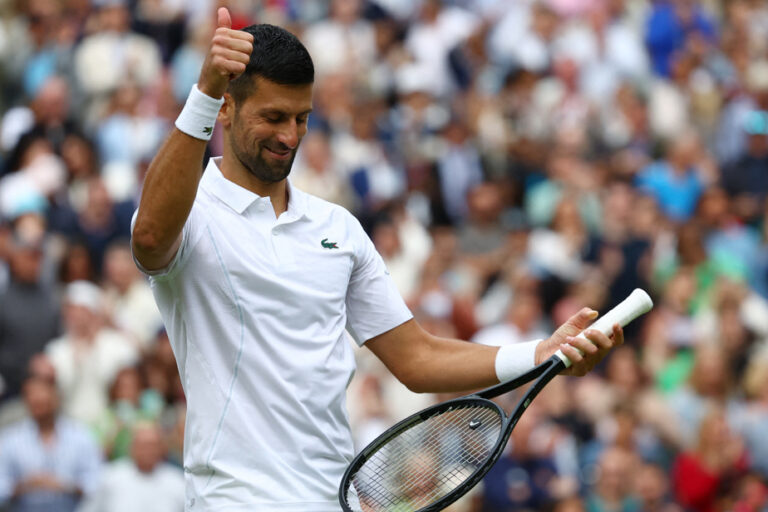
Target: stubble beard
[{"x": 258, "y": 166}]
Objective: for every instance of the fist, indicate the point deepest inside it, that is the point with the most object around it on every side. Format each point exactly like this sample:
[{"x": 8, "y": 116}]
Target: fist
[{"x": 227, "y": 58}]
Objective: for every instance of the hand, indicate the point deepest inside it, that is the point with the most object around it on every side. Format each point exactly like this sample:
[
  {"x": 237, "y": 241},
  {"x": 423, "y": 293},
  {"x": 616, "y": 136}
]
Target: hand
[
  {"x": 595, "y": 347},
  {"x": 39, "y": 482},
  {"x": 227, "y": 58}
]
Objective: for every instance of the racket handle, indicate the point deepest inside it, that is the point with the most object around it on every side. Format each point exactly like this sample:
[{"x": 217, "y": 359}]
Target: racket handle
[{"x": 637, "y": 303}]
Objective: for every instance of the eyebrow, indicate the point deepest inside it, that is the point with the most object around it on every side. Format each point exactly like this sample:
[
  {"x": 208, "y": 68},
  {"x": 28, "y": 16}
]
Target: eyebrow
[{"x": 273, "y": 111}]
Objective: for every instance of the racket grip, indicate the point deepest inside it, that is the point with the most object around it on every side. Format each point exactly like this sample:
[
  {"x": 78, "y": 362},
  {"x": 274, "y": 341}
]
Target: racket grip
[{"x": 637, "y": 303}]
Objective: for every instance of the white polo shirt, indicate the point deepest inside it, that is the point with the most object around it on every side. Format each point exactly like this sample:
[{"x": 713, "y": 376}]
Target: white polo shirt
[{"x": 256, "y": 307}]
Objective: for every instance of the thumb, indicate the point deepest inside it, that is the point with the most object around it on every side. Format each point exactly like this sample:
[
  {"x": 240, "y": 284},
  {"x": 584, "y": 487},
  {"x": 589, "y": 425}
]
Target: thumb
[
  {"x": 224, "y": 19},
  {"x": 583, "y": 318}
]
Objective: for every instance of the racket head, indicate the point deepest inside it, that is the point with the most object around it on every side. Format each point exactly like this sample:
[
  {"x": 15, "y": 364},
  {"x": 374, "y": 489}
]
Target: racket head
[{"x": 428, "y": 460}]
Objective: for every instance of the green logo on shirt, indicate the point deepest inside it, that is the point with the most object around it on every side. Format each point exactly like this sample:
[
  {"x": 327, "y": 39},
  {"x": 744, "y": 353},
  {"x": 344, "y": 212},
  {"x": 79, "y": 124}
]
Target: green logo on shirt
[
  {"x": 208, "y": 130},
  {"x": 328, "y": 245}
]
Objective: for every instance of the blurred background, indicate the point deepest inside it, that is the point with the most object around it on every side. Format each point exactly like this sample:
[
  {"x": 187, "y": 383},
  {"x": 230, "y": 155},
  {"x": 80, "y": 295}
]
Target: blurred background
[{"x": 512, "y": 160}]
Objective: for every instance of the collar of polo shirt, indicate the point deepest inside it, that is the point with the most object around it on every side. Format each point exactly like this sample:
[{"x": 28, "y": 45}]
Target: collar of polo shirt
[{"x": 239, "y": 198}]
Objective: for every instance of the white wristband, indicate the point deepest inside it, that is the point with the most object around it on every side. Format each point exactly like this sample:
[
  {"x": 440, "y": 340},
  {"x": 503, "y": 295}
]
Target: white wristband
[
  {"x": 514, "y": 360},
  {"x": 199, "y": 114}
]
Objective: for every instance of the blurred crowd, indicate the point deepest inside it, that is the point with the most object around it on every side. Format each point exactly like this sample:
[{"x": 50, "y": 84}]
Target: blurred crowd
[{"x": 512, "y": 160}]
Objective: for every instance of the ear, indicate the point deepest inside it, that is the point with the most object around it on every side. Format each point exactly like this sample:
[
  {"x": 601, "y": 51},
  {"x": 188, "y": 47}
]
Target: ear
[{"x": 227, "y": 112}]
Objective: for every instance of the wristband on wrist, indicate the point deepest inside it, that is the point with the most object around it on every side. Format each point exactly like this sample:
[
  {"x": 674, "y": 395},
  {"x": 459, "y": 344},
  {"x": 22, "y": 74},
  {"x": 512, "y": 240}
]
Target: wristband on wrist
[
  {"x": 199, "y": 114},
  {"x": 514, "y": 360}
]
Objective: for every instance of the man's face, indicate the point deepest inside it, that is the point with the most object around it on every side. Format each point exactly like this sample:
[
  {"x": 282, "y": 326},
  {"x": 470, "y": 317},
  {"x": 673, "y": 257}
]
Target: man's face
[
  {"x": 41, "y": 398},
  {"x": 268, "y": 126}
]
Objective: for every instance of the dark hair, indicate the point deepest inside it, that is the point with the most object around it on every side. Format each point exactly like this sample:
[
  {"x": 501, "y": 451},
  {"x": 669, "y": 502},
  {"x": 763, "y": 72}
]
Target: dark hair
[{"x": 278, "y": 56}]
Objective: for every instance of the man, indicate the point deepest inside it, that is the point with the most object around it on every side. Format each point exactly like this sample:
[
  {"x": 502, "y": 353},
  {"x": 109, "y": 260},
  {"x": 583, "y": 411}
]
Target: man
[
  {"x": 142, "y": 482},
  {"x": 46, "y": 462},
  {"x": 88, "y": 355},
  {"x": 256, "y": 282},
  {"x": 29, "y": 310}
]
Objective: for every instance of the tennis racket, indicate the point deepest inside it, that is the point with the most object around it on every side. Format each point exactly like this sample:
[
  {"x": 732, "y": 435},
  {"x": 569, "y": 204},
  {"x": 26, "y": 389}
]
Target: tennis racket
[{"x": 432, "y": 458}]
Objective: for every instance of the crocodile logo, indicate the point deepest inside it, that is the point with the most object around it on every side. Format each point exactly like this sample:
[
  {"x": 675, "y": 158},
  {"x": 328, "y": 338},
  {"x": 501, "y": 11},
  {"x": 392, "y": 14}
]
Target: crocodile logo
[
  {"x": 208, "y": 130},
  {"x": 328, "y": 245}
]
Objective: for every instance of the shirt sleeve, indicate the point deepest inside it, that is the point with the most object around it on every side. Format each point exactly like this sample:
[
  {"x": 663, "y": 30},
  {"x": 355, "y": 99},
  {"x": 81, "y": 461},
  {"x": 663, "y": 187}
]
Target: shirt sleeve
[
  {"x": 190, "y": 234},
  {"x": 8, "y": 478},
  {"x": 374, "y": 306}
]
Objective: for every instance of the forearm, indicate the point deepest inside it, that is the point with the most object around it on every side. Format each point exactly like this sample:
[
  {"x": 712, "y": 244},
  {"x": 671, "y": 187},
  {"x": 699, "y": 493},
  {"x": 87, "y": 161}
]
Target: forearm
[
  {"x": 167, "y": 198},
  {"x": 453, "y": 366},
  {"x": 429, "y": 364}
]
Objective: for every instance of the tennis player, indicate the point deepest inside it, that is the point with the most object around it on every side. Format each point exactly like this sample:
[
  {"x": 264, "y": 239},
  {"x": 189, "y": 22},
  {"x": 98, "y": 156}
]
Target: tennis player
[{"x": 257, "y": 281}]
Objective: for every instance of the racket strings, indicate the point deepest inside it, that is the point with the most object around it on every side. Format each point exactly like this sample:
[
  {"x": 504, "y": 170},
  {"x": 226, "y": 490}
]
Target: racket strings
[{"x": 429, "y": 460}]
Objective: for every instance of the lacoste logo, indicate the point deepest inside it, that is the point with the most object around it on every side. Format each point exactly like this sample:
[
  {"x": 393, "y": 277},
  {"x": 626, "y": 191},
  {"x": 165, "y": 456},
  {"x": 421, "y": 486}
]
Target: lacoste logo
[
  {"x": 208, "y": 130},
  {"x": 328, "y": 245}
]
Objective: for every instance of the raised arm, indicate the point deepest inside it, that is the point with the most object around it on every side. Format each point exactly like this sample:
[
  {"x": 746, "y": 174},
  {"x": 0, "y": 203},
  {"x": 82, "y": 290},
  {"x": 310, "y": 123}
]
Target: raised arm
[{"x": 174, "y": 174}]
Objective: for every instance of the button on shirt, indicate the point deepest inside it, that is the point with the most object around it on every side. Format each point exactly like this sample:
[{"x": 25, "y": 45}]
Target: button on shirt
[{"x": 256, "y": 309}]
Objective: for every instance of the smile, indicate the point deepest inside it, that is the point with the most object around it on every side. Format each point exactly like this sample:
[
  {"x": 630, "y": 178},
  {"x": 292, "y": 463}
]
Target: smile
[{"x": 280, "y": 156}]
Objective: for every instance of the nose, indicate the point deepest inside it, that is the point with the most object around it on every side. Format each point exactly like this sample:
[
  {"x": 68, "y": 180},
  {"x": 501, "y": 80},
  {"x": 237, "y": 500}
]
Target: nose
[{"x": 289, "y": 134}]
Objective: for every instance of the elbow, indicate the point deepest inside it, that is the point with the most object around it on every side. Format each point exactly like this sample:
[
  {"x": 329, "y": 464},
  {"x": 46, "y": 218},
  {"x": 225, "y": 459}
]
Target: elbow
[
  {"x": 416, "y": 385},
  {"x": 415, "y": 376},
  {"x": 144, "y": 240},
  {"x": 147, "y": 241}
]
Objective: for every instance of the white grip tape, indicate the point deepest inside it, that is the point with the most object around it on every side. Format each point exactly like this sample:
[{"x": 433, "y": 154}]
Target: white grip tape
[{"x": 637, "y": 303}]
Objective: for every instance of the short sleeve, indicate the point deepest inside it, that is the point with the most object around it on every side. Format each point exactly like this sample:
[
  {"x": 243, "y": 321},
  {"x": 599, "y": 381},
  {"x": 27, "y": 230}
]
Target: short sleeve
[
  {"x": 374, "y": 306},
  {"x": 190, "y": 234}
]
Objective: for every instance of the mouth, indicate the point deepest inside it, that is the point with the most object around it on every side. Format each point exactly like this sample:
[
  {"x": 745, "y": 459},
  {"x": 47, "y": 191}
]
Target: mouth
[{"x": 279, "y": 155}]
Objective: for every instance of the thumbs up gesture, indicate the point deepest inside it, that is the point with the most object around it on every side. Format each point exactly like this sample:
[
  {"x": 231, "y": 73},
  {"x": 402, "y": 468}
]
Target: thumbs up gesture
[{"x": 227, "y": 58}]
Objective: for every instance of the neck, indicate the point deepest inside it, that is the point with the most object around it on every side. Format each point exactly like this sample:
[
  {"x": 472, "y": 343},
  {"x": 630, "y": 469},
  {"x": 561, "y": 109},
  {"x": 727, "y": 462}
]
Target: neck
[
  {"x": 46, "y": 425},
  {"x": 235, "y": 172}
]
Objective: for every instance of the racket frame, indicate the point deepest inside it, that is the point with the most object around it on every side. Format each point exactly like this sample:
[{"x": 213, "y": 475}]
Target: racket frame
[{"x": 544, "y": 373}]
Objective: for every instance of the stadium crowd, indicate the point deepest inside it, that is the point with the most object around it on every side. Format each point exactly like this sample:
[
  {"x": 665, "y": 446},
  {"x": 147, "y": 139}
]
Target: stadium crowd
[{"x": 512, "y": 160}]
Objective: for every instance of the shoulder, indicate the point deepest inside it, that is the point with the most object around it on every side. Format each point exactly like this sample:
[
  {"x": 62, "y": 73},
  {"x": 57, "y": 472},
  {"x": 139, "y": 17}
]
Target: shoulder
[
  {"x": 169, "y": 472},
  {"x": 324, "y": 212},
  {"x": 119, "y": 469},
  {"x": 58, "y": 347},
  {"x": 11, "y": 434},
  {"x": 319, "y": 207},
  {"x": 74, "y": 430}
]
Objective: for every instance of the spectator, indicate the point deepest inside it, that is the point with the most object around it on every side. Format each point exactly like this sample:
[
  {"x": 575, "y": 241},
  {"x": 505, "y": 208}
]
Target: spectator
[
  {"x": 316, "y": 171},
  {"x": 671, "y": 26},
  {"x": 128, "y": 302},
  {"x": 29, "y": 311},
  {"x": 718, "y": 455},
  {"x": 101, "y": 221},
  {"x": 342, "y": 43},
  {"x": 88, "y": 355},
  {"x": 678, "y": 180},
  {"x": 751, "y": 423},
  {"x": 653, "y": 490},
  {"x": 613, "y": 489},
  {"x": 459, "y": 170},
  {"x": 47, "y": 462},
  {"x": 709, "y": 385},
  {"x": 142, "y": 482},
  {"x": 129, "y": 404},
  {"x": 524, "y": 321},
  {"x": 523, "y": 478},
  {"x": 746, "y": 179},
  {"x": 113, "y": 55}
]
